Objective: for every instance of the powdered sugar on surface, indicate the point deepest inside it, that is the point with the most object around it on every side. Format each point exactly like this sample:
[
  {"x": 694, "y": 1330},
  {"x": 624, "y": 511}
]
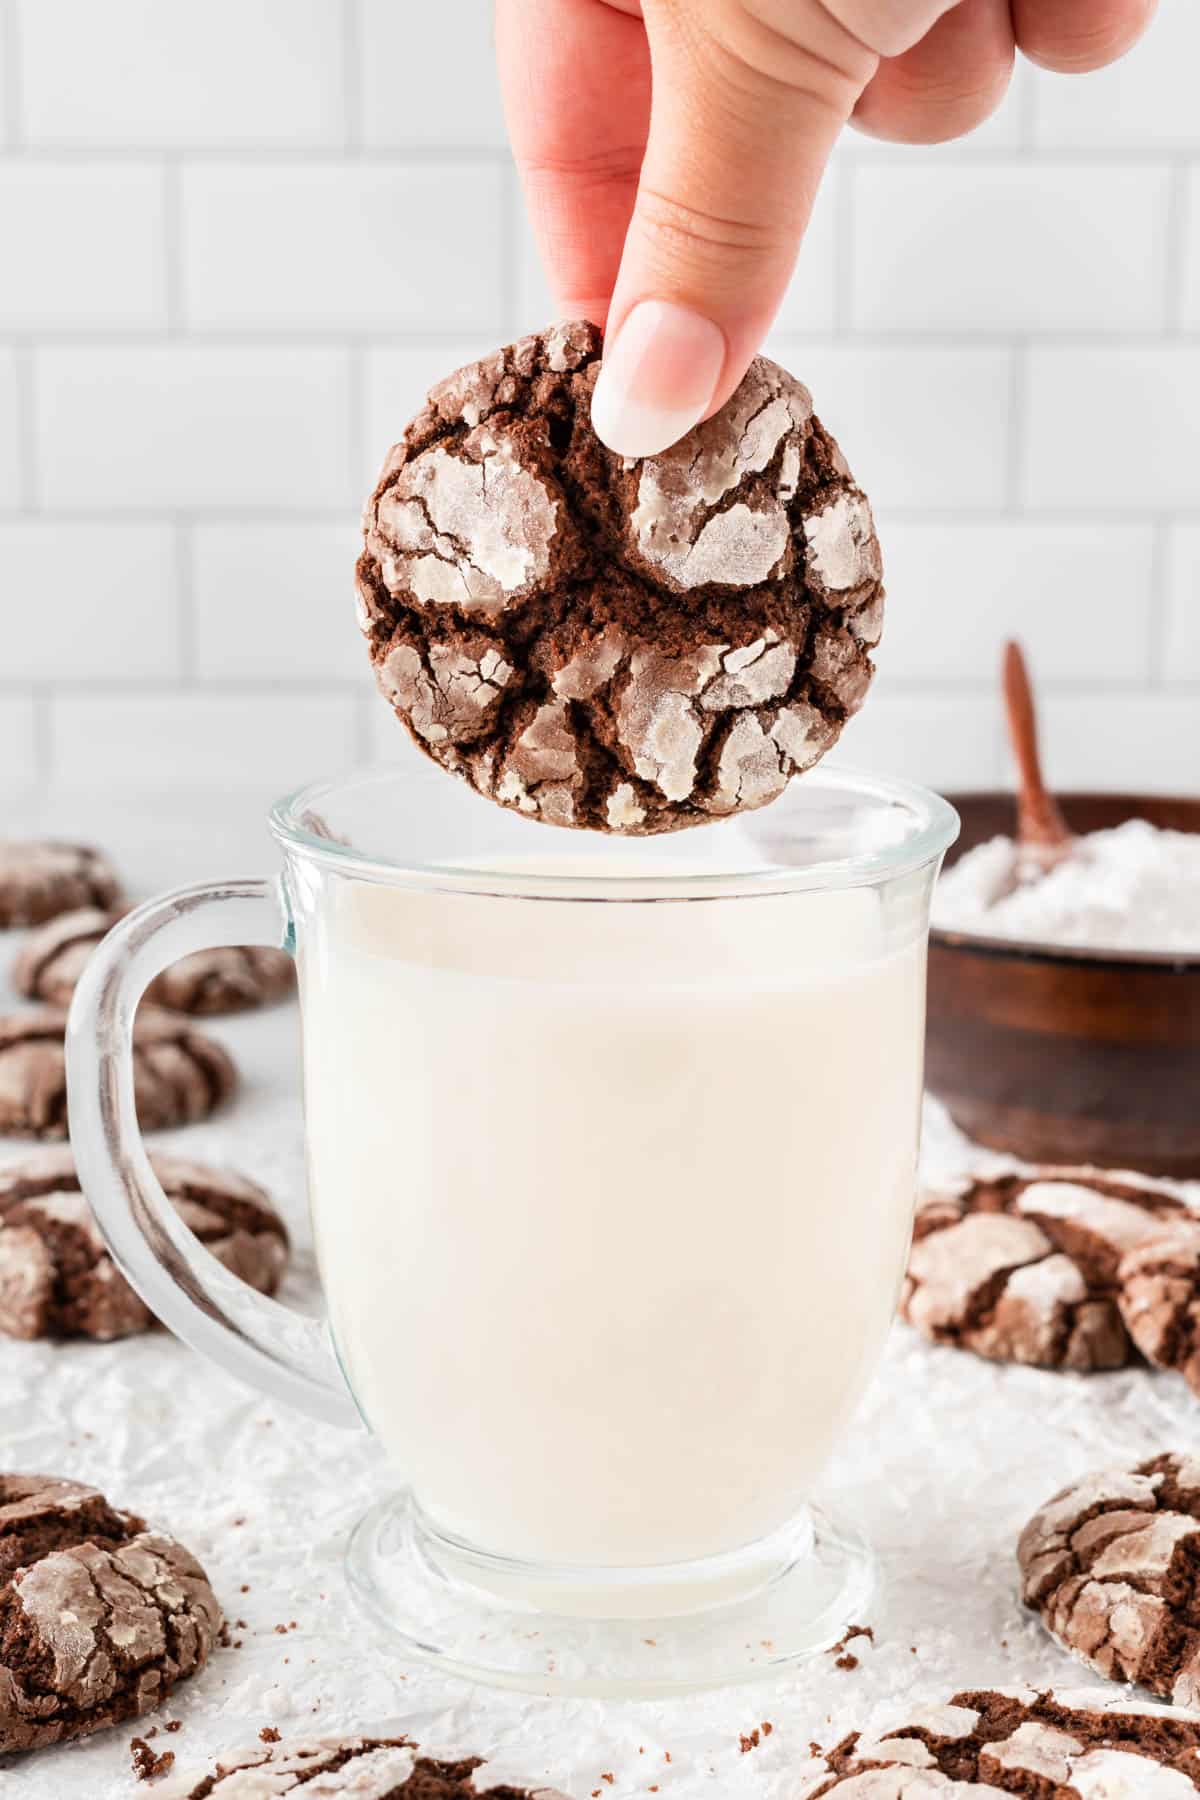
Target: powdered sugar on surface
[
  {"x": 1134, "y": 887},
  {"x": 945, "y": 1462}
]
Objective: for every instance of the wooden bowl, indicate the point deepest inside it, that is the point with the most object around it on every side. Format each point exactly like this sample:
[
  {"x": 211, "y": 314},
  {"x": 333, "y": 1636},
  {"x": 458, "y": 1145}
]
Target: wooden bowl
[{"x": 1075, "y": 1056}]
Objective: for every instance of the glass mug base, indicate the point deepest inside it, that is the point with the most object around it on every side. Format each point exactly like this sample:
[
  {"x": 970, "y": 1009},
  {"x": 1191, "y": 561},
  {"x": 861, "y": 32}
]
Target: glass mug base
[{"x": 612, "y": 1633}]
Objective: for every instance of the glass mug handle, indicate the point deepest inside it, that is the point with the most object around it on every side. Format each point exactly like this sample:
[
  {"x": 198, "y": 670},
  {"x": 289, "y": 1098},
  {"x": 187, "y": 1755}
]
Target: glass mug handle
[{"x": 286, "y": 1355}]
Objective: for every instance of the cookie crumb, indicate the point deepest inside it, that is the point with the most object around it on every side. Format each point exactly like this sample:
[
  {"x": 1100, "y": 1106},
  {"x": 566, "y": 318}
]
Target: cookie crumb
[
  {"x": 749, "y": 1740},
  {"x": 146, "y": 1765},
  {"x": 269, "y": 1735},
  {"x": 173, "y": 1725},
  {"x": 843, "y": 1658}
]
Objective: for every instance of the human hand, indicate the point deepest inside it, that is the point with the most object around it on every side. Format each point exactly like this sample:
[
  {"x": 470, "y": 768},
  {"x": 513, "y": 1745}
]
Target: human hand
[{"x": 674, "y": 217}]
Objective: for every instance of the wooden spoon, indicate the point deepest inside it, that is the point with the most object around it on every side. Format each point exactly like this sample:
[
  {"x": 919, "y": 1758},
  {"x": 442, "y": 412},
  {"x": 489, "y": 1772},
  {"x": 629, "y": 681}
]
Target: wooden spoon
[{"x": 1044, "y": 839}]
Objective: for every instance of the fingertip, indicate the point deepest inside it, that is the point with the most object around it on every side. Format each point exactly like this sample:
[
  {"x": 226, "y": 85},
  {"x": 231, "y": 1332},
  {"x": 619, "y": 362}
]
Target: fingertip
[
  {"x": 1076, "y": 37},
  {"x": 660, "y": 371}
]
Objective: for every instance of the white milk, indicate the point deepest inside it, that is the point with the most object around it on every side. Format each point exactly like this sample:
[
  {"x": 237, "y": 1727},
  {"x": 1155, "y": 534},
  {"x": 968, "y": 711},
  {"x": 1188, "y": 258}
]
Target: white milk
[{"x": 611, "y": 1201}]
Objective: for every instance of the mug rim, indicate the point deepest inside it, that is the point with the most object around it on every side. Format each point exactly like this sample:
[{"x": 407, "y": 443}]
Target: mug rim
[{"x": 933, "y": 825}]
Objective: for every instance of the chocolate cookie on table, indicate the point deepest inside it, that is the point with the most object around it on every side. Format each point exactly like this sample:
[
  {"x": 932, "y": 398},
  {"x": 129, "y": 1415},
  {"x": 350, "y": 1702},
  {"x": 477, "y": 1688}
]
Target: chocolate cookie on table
[
  {"x": 179, "y": 1074},
  {"x": 372, "y": 1768},
  {"x": 57, "y": 1279},
  {"x": 41, "y": 879},
  {"x": 1109, "y": 1564},
  {"x": 1024, "y": 1266},
  {"x": 100, "y": 1616},
  {"x": 221, "y": 980},
  {"x": 1077, "y": 1746},
  {"x": 623, "y": 645},
  {"x": 1160, "y": 1300}
]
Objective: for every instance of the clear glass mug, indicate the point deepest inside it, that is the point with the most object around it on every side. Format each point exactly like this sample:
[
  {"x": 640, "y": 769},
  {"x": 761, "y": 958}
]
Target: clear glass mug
[{"x": 611, "y": 1151}]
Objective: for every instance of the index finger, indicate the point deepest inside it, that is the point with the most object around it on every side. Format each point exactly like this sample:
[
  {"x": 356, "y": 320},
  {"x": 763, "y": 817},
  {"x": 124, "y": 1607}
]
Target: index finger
[
  {"x": 1074, "y": 36},
  {"x": 576, "y": 81}
]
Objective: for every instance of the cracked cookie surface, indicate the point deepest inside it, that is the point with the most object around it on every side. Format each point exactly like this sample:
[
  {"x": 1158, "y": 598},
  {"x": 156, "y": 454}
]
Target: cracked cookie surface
[
  {"x": 1160, "y": 1300},
  {"x": 1024, "y": 1267},
  {"x": 630, "y": 646},
  {"x": 221, "y": 980},
  {"x": 1017, "y": 1741},
  {"x": 1112, "y": 1565},
  {"x": 39, "y": 880},
  {"x": 99, "y": 1616},
  {"x": 179, "y": 1074},
  {"x": 56, "y": 1276},
  {"x": 365, "y": 1768}
]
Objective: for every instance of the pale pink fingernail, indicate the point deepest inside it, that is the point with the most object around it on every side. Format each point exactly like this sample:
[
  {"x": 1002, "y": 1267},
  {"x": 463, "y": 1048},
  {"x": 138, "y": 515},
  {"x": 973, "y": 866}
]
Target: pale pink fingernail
[{"x": 657, "y": 379}]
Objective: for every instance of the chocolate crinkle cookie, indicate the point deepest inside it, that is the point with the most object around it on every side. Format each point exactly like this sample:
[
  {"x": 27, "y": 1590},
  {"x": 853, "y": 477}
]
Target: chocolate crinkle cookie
[
  {"x": 624, "y": 645},
  {"x": 179, "y": 1074},
  {"x": 40, "y": 880},
  {"x": 213, "y": 981},
  {"x": 1160, "y": 1300},
  {"x": 1026, "y": 1267},
  {"x": 1110, "y": 1565},
  {"x": 56, "y": 1277},
  {"x": 1077, "y": 1746},
  {"x": 99, "y": 1616},
  {"x": 361, "y": 1768}
]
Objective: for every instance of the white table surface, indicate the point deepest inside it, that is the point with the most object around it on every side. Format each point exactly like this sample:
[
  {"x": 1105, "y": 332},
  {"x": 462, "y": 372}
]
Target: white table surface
[{"x": 946, "y": 1459}]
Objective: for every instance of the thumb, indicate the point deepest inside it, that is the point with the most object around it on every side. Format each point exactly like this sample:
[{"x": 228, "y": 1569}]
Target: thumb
[{"x": 742, "y": 122}]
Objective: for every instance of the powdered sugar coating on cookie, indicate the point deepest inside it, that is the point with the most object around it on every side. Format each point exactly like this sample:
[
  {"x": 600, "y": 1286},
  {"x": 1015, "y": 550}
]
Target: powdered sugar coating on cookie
[
  {"x": 1108, "y": 1565},
  {"x": 1016, "y": 1742},
  {"x": 363, "y": 1767},
  {"x": 56, "y": 1277},
  {"x": 39, "y": 880},
  {"x": 1024, "y": 1266},
  {"x": 99, "y": 1617}
]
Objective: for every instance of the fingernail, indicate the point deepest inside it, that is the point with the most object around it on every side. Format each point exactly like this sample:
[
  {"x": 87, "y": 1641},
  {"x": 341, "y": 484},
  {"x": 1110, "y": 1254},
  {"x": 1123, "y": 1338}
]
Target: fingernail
[{"x": 657, "y": 379}]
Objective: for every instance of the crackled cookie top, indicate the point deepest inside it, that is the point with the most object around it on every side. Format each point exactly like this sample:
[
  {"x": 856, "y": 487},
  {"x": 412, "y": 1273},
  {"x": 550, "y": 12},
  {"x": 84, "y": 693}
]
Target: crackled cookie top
[
  {"x": 623, "y": 645},
  {"x": 1016, "y": 1741},
  {"x": 1110, "y": 1564},
  {"x": 1024, "y": 1266},
  {"x": 99, "y": 1616},
  {"x": 179, "y": 1074},
  {"x": 39, "y": 880},
  {"x": 1160, "y": 1299},
  {"x": 360, "y": 1768},
  {"x": 56, "y": 1277}
]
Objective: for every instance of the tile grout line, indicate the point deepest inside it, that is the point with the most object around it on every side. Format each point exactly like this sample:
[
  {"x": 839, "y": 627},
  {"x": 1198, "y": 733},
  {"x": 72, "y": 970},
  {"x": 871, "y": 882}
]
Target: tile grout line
[
  {"x": 958, "y": 155},
  {"x": 320, "y": 338}
]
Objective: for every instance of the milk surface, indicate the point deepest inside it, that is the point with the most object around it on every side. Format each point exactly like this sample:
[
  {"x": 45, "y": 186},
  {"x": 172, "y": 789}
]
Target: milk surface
[{"x": 611, "y": 1201}]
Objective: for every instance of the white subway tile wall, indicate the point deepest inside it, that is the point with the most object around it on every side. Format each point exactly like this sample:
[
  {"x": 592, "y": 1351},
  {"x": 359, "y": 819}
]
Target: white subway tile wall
[
  {"x": 241, "y": 241},
  {"x": 11, "y": 444},
  {"x": 1182, "y": 649},
  {"x": 1190, "y": 299}
]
